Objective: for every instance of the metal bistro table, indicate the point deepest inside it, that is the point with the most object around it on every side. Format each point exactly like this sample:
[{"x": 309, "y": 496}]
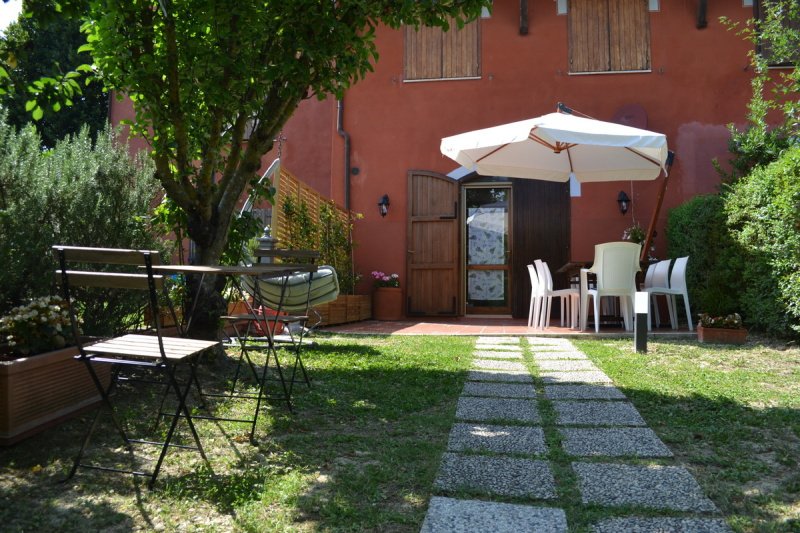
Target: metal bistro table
[{"x": 256, "y": 272}]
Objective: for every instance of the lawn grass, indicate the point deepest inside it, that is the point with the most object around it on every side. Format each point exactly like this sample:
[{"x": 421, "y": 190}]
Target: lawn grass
[
  {"x": 359, "y": 453},
  {"x": 363, "y": 445},
  {"x": 730, "y": 414}
]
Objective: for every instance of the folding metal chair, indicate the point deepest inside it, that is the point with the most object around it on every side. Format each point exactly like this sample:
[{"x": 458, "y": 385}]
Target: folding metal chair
[{"x": 149, "y": 353}]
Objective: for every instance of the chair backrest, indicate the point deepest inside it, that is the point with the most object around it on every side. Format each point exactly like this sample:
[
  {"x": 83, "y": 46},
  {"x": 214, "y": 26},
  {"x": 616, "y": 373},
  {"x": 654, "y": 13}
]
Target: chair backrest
[
  {"x": 534, "y": 279},
  {"x": 616, "y": 264},
  {"x": 661, "y": 274},
  {"x": 541, "y": 272},
  {"x": 93, "y": 260},
  {"x": 678, "y": 278},
  {"x": 648, "y": 277}
]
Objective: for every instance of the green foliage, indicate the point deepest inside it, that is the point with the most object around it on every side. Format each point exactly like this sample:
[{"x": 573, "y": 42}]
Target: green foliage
[
  {"x": 37, "y": 55},
  {"x": 79, "y": 193},
  {"x": 698, "y": 229},
  {"x": 331, "y": 235},
  {"x": 763, "y": 212}
]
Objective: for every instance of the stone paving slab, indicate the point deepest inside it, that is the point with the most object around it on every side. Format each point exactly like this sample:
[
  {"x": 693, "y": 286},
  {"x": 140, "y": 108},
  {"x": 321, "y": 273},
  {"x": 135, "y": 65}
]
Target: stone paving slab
[
  {"x": 496, "y": 354},
  {"x": 502, "y": 476},
  {"x": 661, "y": 525},
  {"x": 549, "y": 341},
  {"x": 505, "y": 348},
  {"x": 488, "y": 409},
  {"x": 655, "y": 487},
  {"x": 500, "y": 375},
  {"x": 568, "y": 365},
  {"x": 564, "y": 354},
  {"x": 597, "y": 413},
  {"x": 583, "y": 392},
  {"x": 613, "y": 442},
  {"x": 449, "y": 515},
  {"x": 507, "y": 340},
  {"x": 499, "y": 364},
  {"x": 499, "y": 439},
  {"x": 552, "y": 377},
  {"x": 499, "y": 390}
]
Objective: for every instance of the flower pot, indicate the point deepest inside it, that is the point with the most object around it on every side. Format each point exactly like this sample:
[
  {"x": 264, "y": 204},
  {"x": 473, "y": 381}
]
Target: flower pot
[
  {"x": 40, "y": 391},
  {"x": 721, "y": 335},
  {"x": 387, "y": 303}
]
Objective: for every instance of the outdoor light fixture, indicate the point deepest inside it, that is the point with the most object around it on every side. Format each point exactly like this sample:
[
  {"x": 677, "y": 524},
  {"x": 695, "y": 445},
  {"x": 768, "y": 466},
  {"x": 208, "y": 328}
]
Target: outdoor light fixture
[
  {"x": 624, "y": 202},
  {"x": 383, "y": 205}
]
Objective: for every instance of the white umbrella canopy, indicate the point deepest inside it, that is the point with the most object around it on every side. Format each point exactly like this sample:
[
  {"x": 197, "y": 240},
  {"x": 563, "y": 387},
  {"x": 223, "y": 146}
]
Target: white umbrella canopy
[{"x": 554, "y": 146}]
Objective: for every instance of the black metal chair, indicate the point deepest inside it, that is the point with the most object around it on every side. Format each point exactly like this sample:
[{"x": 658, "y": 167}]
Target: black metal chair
[{"x": 152, "y": 353}]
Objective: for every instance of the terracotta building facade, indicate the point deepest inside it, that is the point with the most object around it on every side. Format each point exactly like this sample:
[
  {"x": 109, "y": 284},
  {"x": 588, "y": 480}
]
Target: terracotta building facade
[{"x": 460, "y": 241}]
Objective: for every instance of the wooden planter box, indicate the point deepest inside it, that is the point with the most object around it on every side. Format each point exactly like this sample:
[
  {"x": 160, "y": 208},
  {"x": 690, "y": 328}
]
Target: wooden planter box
[
  {"x": 346, "y": 308},
  {"x": 721, "y": 335},
  {"x": 40, "y": 391}
]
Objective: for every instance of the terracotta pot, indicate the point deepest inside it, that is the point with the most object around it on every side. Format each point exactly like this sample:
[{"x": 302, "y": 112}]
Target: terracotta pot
[
  {"x": 387, "y": 303},
  {"x": 721, "y": 335},
  {"x": 42, "y": 390}
]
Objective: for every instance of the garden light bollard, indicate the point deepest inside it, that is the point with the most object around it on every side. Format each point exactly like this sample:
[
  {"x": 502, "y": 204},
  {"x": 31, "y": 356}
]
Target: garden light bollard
[{"x": 641, "y": 308}]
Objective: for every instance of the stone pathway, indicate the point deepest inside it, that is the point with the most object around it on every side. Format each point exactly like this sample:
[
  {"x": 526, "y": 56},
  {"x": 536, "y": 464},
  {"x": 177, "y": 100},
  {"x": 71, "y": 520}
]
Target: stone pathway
[{"x": 500, "y": 475}]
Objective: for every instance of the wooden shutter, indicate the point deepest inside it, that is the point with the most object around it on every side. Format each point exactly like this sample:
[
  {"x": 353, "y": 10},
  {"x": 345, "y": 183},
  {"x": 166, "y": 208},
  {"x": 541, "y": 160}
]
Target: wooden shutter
[
  {"x": 431, "y": 53},
  {"x": 588, "y": 36},
  {"x": 629, "y": 34},
  {"x": 609, "y": 35}
]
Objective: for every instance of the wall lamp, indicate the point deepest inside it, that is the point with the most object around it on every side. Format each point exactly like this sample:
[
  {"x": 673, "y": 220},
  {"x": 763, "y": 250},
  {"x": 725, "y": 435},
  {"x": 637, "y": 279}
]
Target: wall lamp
[
  {"x": 383, "y": 205},
  {"x": 624, "y": 202}
]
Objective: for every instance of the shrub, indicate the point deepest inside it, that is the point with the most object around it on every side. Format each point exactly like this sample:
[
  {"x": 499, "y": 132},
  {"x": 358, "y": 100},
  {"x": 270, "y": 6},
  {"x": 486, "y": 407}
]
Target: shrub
[
  {"x": 79, "y": 193},
  {"x": 698, "y": 229},
  {"x": 763, "y": 214}
]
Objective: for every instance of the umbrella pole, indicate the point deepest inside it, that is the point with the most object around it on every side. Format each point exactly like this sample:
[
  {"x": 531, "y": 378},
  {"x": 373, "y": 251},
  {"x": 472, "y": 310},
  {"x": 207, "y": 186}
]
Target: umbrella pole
[{"x": 660, "y": 200}]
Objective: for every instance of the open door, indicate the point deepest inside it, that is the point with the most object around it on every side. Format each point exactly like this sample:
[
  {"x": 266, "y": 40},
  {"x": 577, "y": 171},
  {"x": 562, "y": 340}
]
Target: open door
[{"x": 433, "y": 258}]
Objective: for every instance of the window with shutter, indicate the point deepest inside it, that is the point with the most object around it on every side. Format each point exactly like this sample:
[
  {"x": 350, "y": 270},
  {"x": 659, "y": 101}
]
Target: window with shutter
[
  {"x": 431, "y": 53},
  {"x": 609, "y": 35}
]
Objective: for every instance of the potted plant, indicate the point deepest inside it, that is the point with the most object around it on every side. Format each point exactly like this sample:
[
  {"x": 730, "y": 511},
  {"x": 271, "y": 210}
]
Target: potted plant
[
  {"x": 387, "y": 300},
  {"x": 721, "y": 329},
  {"x": 41, "y": 383}
]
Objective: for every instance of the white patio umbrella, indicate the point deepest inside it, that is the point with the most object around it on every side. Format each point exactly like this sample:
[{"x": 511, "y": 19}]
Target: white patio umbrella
[{"x": 554, "y": 146}]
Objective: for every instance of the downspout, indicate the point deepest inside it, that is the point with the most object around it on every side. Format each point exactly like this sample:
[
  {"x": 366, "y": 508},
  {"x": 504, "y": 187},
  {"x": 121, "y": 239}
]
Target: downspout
[{"x": 346, "y": 136}]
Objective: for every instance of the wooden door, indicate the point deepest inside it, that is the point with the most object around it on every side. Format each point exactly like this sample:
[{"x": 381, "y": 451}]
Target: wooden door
[{"x": 433, "y": 258}]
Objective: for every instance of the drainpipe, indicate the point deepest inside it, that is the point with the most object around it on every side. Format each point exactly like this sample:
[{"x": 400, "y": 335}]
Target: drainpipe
[{"x": 346, "y": 136}]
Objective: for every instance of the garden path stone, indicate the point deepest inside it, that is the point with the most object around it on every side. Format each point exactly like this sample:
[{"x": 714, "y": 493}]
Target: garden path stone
[
  {"x": 566, "y": 354},
  {"x": 500, "y": 375},
  {"x": 661, "y": 525},
  {"x": 491, "y": 409},
  {"x": 449, "y": 515},
  {"x": 549, "y": 341},
  {"x": 655, "y": 487},
  {"x": 502, "y": 476},
  {"x": 583, "y": 392},
  {"x": 498, "y": 439},
  {"x": 597, "y": 413},
  {"x": 502, "y": 348},
  {"x": 498, "y": 354},
  {"x": 499, "y": 390},
  {"x": 499, "y": 340},
  {"x": 613, "y": 442},
  {"x": 551, "y": 377},
  {"x": 499, "y": 364},
  {"x": 568, "y": 365}
]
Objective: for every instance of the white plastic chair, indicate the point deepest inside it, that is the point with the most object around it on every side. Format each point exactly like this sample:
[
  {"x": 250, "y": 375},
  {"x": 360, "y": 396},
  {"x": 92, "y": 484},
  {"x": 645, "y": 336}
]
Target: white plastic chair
[
  {"x": 677, "y": 286},
  {"x": 648, "y": 282},
  {"x": 568, "y": 298},
  {"x": 534, "y": 310},
  {"x": 659, "y": 281},
  {"x": 615, "y": 265}
]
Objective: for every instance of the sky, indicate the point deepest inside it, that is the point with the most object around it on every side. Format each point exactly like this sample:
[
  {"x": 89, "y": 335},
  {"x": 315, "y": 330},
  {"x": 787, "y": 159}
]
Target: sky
[{"x": 9, "y": 11}]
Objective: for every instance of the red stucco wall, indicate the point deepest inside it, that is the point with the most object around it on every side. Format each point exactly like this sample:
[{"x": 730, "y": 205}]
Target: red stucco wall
[{"x": 698, "y": 84}]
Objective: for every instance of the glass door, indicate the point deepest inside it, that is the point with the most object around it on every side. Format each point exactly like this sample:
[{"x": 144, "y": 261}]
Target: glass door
[{"x": 488, "y": 249}]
